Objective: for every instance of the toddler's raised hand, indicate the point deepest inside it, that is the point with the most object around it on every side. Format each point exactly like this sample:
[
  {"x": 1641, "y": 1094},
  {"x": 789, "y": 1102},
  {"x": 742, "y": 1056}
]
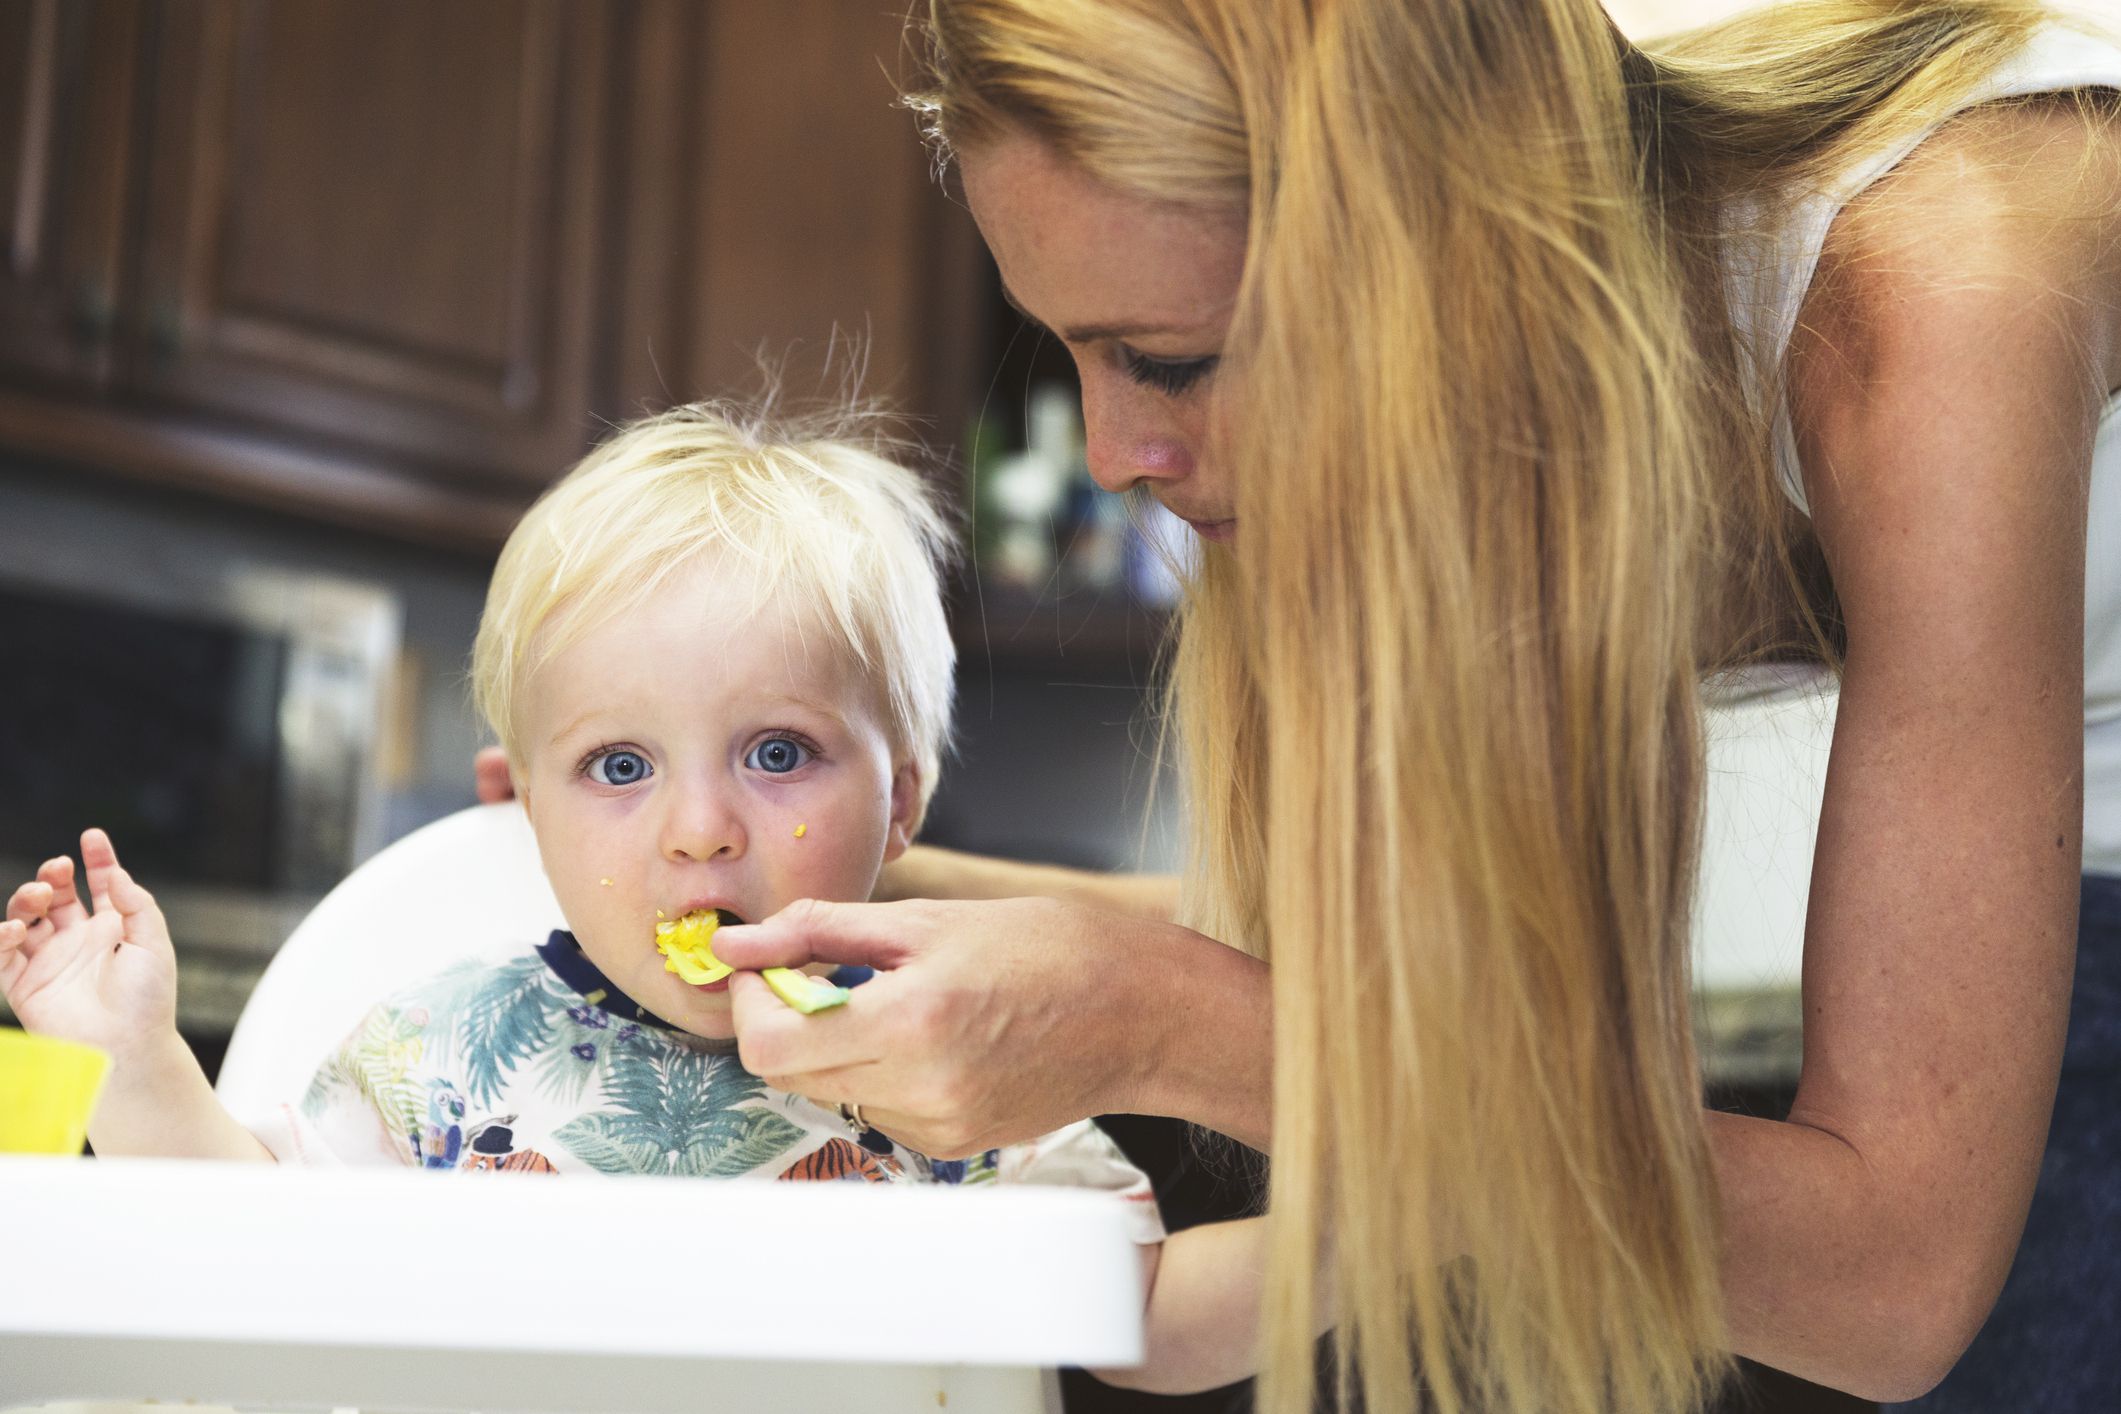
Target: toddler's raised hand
[{"x": 106, "y": 977}]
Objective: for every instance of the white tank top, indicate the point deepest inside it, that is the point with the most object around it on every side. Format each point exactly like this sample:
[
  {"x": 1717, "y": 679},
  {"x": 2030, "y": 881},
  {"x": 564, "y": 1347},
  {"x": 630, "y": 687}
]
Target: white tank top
[{"x": 1764, "y": 303}]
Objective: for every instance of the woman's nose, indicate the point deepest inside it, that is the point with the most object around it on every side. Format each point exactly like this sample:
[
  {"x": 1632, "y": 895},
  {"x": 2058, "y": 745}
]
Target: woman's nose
[
  {"x": 699, "y": 824},
  {"x": 1128, "y": 440}
]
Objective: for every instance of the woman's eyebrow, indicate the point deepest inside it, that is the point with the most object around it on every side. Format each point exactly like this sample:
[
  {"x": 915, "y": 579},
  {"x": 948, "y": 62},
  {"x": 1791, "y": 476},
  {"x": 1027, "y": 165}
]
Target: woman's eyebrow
[{"x": 1088, "y": 334}]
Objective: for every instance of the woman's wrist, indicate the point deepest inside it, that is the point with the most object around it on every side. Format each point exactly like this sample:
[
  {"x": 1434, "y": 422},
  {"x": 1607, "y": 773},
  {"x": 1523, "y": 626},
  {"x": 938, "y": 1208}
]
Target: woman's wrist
[{"x": 1204, "y": 1014}]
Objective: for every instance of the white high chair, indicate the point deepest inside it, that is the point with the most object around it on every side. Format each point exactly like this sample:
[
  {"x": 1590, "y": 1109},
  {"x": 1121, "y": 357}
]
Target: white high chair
[
  {"x": 467, "y": 886},
  {"x": 393, "y": 1290},
  {"x": 398, "y": 1290}
]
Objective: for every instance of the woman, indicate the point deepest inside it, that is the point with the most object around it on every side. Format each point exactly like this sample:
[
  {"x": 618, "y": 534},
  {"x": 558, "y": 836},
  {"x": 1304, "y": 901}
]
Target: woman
[{"x": 1483, "y": 349}]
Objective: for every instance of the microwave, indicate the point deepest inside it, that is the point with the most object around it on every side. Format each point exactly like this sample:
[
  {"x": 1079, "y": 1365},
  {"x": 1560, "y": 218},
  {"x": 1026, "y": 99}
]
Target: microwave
[{"x": 225, "y": 727}]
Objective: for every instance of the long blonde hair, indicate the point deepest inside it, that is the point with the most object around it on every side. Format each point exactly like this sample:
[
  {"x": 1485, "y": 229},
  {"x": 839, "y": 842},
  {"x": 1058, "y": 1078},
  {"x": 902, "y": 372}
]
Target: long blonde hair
[{"x": 1506, "y": 496}]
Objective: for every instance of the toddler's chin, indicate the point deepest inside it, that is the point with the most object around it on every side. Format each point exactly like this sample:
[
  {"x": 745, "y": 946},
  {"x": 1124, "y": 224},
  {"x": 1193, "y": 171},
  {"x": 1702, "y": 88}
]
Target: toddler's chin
[{"x": 708, "y": 1018}]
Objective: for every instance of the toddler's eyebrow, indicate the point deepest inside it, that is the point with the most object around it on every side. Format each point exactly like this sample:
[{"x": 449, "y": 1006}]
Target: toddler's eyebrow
[
  {"x": 808, "y": 704},
  {"x": 571, "y": 728}
]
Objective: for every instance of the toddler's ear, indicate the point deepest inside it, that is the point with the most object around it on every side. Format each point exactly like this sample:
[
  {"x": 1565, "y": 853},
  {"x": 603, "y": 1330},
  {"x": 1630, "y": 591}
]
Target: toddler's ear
[{"x": 906, "y": 809}]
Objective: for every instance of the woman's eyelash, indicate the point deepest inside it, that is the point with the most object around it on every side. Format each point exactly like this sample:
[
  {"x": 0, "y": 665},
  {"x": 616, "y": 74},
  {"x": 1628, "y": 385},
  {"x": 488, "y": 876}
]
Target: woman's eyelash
[{"x": 1169, "y": 376}]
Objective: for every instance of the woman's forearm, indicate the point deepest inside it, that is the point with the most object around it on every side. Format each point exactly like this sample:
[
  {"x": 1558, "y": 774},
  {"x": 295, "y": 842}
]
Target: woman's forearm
[
  {"x": 927, "y": 871},
  {"x": 158, "y": 1104},
  {"x": 1206, "y": 1012},
  {"x": 1836, "y": 1273}
]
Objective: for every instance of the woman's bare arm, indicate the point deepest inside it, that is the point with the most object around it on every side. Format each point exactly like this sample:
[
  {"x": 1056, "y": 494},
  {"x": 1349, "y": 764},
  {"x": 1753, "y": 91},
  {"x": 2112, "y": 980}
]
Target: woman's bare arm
[
  {"x": 927, "y": 871},
  {"x": 1947, "y": 381}
]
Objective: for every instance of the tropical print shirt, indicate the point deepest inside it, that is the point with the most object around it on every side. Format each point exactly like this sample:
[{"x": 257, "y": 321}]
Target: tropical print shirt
[{"x": 540, "y": 1065}]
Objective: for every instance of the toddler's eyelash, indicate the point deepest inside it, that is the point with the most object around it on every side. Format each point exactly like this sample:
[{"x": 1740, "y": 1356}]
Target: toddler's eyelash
[
  {"x": 581, "y": 767},
  {"x": 1169, "y": 376},
  {"x": 817, "y": 752}
]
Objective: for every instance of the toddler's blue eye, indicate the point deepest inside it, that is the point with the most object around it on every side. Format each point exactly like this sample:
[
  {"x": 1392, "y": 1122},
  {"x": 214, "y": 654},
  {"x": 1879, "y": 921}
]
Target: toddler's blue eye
[
  {"x": 777, "y": 756},
  {"x": 619, "y": 768}
]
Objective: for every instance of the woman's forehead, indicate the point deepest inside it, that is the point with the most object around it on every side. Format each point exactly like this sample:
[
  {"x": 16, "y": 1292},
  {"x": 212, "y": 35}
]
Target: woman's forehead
[{"x": 1090, "y": 261}]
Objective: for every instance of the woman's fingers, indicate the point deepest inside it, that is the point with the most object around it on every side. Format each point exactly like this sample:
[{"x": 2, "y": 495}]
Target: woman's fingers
[
  {"x": 879, "y": 935},
  {"x": 783, "y": 1047}
]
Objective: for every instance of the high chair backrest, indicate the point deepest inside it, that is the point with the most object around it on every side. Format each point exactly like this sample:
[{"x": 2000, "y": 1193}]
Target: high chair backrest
[{"x": 467, "y": 886}]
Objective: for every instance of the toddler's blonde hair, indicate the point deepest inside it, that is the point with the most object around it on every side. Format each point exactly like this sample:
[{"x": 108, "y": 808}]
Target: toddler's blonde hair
[{"x": 808, "y": 513}]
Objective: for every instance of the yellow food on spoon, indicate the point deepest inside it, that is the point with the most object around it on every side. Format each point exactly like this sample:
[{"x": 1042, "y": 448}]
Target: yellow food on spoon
[{"x": 687, "y": 948}]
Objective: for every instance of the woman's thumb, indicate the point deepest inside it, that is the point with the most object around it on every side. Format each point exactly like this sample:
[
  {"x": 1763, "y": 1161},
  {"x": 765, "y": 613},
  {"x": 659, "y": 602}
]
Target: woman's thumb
[{"x": 812, "y": 930}]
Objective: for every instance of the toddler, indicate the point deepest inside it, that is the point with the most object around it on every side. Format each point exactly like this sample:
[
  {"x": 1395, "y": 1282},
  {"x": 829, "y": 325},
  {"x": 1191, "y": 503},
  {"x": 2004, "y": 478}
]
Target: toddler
[{"x": 718, "y": 663}]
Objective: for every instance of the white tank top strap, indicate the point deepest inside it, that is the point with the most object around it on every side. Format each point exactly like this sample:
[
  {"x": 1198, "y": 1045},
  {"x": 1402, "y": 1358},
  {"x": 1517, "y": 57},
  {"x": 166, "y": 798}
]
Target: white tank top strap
[{"x": 1767, "y": 276}]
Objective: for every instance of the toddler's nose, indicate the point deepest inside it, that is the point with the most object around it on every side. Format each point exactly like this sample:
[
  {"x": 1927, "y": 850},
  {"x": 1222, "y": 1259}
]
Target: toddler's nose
[{"x": 699, "y": 826}]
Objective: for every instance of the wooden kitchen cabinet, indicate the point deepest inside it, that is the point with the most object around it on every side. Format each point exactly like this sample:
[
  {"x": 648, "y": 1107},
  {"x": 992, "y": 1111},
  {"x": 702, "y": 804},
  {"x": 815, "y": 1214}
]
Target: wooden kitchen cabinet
[
  {"x": 396, "y": 264},
  {"x": 69, "y": 80},
  {"x": 381, "y": 225}
]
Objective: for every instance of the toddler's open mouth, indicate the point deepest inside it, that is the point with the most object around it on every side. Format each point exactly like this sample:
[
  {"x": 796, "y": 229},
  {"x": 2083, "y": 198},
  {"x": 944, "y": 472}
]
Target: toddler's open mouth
[{"x": 687, "y": 946}]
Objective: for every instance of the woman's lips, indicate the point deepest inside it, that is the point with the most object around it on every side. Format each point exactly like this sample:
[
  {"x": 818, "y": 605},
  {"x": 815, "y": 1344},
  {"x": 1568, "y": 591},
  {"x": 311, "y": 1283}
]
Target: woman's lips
[{"x": 1222, "y": 532}]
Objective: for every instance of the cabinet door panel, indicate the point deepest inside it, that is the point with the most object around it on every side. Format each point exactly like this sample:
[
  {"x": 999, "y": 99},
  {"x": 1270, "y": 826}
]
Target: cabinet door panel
[
  {"x": 378, "y": 222},
  {"x": 68, "y": 79}
]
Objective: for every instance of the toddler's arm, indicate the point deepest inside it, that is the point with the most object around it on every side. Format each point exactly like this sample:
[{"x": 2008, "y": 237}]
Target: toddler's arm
[
  {"x": 1202, "y": 1318},
  {"x": 108, "y": 978}
]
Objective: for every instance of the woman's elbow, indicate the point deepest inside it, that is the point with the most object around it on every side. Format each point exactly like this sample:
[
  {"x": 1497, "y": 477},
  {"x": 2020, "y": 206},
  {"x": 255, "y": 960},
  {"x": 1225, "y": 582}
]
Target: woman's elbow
[{"x": 1928, "y": 1321}]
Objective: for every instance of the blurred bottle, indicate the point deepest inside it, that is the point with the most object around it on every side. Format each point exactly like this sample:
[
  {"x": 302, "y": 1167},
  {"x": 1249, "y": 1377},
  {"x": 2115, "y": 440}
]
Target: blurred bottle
[{"x": 1022, "y": 495}]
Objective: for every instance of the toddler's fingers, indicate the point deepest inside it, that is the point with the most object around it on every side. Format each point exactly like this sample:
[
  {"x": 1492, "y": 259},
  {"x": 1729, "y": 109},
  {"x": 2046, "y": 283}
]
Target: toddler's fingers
[
  {"x": 125, "y": 892},
  {"x": 101, "y": 858},
  {"x": 14, "y": 950},
  {"x": 66, "y": 909},
  {"x": 30, "y": 902}
]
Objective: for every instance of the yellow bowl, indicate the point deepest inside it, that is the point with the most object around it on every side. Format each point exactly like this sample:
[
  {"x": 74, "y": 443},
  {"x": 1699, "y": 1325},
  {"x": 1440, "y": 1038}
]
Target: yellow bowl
[{"x": 48, "y": 1089}]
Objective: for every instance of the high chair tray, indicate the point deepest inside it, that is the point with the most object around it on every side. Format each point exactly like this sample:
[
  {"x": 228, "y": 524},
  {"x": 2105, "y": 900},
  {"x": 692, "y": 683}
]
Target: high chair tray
[{"x": 252, "y": 1284}]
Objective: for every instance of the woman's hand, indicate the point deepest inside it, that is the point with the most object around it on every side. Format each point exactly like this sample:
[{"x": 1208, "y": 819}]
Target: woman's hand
[
  {"x": 993, "y": 1022},
  {"x": 106, "y": 978}
]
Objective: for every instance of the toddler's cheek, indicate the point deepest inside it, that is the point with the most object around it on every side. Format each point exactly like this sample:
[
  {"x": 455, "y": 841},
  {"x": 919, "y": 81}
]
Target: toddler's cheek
[{"x": 829, "y": 860}]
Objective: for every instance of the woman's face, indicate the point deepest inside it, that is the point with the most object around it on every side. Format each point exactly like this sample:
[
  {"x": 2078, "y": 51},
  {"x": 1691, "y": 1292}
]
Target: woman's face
[{"x": 1140, "y": 293}]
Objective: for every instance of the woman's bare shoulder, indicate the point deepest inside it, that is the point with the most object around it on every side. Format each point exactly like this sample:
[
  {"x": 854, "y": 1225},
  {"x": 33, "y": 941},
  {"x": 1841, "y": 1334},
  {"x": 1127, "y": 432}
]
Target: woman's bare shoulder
[
  {"x": 2027, "y": 190},
  {"x": 2009, "y": 215}
]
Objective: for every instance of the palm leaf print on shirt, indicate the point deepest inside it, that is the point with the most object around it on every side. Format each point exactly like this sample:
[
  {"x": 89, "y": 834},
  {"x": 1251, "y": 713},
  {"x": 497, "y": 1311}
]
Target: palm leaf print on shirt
[
  {"x": 377, "y": 1062},
  {"x": 505, "y": 1021},
  {"x": 677, "y": 1112}
]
